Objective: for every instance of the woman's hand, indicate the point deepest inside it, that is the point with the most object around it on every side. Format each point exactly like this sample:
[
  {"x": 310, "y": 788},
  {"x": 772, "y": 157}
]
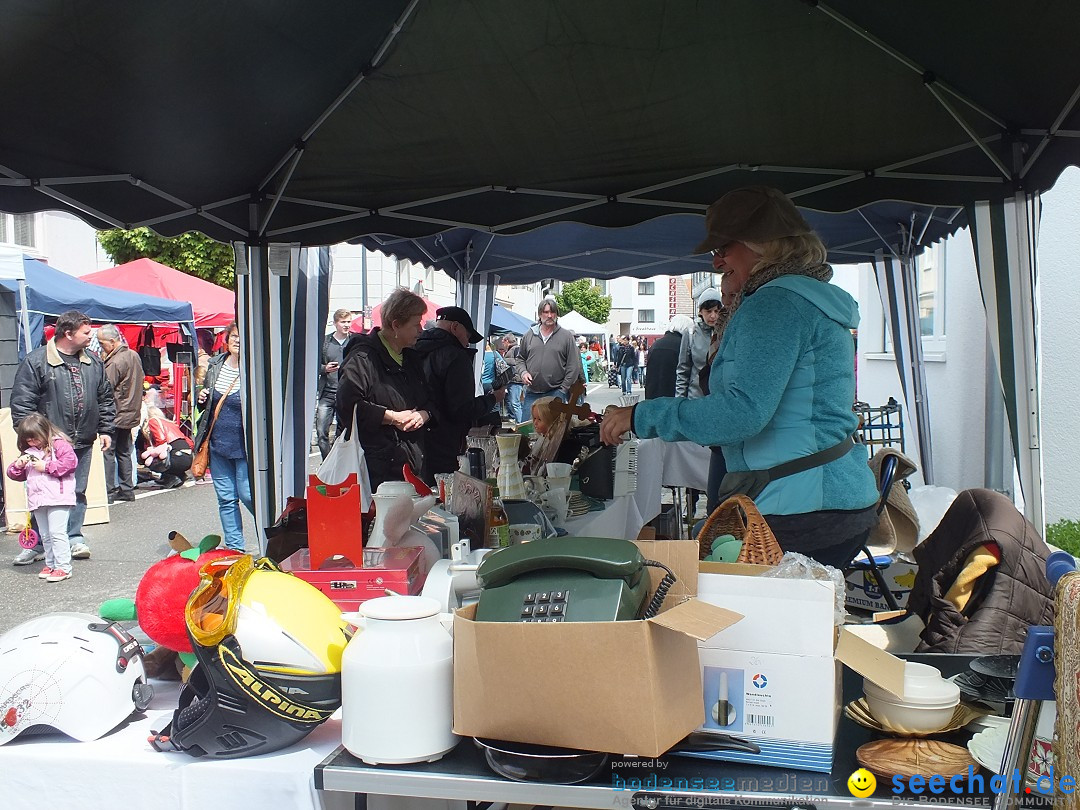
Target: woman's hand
[
  {"x": 203, "y": 396},
  {"x": 415, "y": 420},
  {"x": 617, "y": 421},
  {"x": 406, "y": 421}
]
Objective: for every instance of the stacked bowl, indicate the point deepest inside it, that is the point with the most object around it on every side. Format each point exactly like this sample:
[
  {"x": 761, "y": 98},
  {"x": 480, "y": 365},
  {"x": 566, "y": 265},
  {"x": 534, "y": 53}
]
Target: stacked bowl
[{"x": 927, "y": 706}]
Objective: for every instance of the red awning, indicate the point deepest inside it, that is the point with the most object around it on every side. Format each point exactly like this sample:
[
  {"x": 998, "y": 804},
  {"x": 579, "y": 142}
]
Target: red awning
[{"x": 214, "y": 306}]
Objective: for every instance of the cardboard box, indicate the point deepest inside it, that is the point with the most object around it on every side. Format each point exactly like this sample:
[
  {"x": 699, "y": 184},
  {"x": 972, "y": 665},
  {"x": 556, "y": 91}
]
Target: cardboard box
[
  {"x": 629, "y": 687},
  {"x": 863, "y": 591},
  {"x": 780, "y": 667}
]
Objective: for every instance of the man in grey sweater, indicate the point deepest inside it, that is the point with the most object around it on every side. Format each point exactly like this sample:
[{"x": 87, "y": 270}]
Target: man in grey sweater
[{"x": 551, "y": 359}]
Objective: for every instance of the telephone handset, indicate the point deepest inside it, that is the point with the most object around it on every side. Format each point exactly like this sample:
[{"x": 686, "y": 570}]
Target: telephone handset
[{"x": 583, "y": 579}]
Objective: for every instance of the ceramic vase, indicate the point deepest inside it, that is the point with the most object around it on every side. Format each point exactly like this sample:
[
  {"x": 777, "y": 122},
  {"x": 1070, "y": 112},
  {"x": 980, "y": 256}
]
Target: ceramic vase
[{"x": 511, "y": 484}]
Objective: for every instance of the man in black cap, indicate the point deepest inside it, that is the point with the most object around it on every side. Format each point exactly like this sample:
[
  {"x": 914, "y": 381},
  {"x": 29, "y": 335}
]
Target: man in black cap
[{"x": 448, "y": 363}]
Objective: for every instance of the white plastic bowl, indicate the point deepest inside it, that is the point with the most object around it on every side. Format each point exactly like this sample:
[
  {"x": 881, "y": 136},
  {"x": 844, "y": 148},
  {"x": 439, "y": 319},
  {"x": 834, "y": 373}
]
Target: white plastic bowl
[
  {"x": 927, "y": 706},
  {"x": 910, "y": 719}
]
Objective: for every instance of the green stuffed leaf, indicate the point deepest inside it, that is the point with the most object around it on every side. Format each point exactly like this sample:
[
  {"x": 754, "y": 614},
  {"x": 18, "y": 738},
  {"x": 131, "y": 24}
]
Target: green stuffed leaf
[
  {"x": 210, "y": 542},
  {"x": 118, "y": 610}
]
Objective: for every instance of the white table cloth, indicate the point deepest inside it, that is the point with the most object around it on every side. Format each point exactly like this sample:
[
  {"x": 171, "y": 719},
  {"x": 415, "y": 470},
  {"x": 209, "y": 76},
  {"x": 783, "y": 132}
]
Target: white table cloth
[
  {"x": 659, "y": 464},
  {"x": 122, "y": 770},
  {"x": 685, "y": 464}
]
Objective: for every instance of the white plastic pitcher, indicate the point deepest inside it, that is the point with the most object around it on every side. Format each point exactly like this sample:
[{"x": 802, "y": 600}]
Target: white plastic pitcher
[{"x": 397, "y": 682}]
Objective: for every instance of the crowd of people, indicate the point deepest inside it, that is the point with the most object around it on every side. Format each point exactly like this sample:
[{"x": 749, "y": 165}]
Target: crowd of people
[
  {"x": 66, "y": 397},
  {"x": 412, "y": 392}
]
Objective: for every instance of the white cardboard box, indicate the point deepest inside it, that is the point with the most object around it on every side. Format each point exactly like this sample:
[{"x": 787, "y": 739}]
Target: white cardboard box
[{"x": 780, "y": 667}]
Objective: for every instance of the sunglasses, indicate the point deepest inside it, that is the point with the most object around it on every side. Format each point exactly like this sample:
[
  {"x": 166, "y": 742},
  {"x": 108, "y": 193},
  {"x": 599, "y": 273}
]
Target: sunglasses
[
  {"x": 721, "y": 252},
  {"x": 213, "y": 605}
]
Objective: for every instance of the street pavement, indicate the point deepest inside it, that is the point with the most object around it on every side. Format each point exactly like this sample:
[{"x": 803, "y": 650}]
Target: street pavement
[{"x": 137, "y": 536}]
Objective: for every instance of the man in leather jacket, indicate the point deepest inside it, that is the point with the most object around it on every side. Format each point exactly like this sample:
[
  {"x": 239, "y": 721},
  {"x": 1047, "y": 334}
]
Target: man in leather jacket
[
  {"x": 448, "y": 371},
  {"x": 66, "y": 383}
]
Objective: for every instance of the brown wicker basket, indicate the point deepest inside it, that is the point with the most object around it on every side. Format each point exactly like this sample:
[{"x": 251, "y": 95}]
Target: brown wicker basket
[{"x": 739, "y": 517}]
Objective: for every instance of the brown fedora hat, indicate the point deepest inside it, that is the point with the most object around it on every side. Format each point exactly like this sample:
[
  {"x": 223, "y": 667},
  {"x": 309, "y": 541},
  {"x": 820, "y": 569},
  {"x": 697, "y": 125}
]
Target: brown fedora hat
[{"x": 752, "y": 214}]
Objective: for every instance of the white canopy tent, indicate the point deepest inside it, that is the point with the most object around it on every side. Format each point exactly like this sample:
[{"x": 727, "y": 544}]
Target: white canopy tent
[{"x": 580, "y": 325}]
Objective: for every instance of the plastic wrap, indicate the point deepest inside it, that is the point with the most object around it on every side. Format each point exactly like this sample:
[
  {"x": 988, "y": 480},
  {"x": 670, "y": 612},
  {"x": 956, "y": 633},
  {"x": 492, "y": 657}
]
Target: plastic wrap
[
  {"x": 799, "y": 566},
  {"x": 931, "y": 503}
]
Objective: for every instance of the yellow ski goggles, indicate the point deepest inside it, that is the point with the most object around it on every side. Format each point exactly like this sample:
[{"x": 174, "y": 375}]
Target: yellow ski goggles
[{"x": 212, "y": 607}]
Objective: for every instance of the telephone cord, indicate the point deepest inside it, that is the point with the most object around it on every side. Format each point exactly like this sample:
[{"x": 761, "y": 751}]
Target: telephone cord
[{"x": 662, "y": 589}]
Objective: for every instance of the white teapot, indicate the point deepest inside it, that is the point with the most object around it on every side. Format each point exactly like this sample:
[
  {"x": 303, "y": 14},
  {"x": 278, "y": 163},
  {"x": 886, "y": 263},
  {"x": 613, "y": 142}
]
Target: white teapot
[{"x": 397, "y": 682}]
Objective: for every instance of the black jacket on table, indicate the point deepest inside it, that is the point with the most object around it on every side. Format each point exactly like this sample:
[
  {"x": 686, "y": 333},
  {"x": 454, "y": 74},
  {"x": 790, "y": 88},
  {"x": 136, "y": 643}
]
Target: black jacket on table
[
  {"x": 451, "y": 385},
  {"x": 661, "y": 365},
  {"x": 43, "y": 384},
  {"x": 371, "y": 383}
]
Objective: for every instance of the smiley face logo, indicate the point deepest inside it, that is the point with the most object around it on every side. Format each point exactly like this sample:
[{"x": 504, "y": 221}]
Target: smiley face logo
[{"x": 861, "y": 783}]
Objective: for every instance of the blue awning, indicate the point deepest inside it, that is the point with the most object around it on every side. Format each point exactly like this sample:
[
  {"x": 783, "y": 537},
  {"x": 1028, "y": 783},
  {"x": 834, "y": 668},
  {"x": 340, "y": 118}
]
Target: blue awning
[
  {"x": 505, "y": 320},
  {"x": 50, "y": 292},
  {"x": 571, "y": 250}
]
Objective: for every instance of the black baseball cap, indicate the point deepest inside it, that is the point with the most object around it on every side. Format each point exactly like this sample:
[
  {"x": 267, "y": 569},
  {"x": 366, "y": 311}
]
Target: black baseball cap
[{"x": 458, "y": 315}]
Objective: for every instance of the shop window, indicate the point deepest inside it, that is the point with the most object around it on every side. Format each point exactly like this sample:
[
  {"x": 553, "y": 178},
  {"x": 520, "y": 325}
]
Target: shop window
[
  {"x": 646, "y": 288},
  {"x": 18, "y": 229},
  {"x": 930, "y": 281},
  {"x": 646, "y": 316}
]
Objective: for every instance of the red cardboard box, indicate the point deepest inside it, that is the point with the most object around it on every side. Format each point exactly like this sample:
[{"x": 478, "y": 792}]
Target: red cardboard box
[{"x": 385, "y": 569}]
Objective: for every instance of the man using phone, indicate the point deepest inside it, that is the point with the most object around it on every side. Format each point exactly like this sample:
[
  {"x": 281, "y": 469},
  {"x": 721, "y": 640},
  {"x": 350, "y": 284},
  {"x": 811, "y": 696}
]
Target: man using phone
[{"x": 333, "y": 347}]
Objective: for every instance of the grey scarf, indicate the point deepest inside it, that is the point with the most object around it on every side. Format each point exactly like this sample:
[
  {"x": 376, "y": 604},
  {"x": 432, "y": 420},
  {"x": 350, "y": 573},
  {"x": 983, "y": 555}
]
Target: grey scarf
[{"x": 822, "y": 272}]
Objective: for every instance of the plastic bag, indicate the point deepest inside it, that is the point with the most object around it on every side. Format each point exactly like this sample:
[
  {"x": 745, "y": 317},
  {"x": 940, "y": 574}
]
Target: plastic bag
[
  {"x": 799, "y": 566},
  {"x": 931, "y": 503},
  {"x": 347, "y": 457}
]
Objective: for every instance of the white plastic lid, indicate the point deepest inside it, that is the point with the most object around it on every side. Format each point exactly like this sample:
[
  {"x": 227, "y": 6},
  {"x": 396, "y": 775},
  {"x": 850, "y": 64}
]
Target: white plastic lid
[
  {"x": 395, "y": 488},
  {"x": 400, "y": 608},
  {"x": 923, "y": 686}
]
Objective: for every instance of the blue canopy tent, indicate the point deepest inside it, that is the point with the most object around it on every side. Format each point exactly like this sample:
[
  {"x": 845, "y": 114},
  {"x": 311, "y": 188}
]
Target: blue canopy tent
[
  {"x": 661, "y": 246},
  {"x": 505, "y": 320},
  {"x": 50, "y": 292},
  {"x": 888, "y": 234}
]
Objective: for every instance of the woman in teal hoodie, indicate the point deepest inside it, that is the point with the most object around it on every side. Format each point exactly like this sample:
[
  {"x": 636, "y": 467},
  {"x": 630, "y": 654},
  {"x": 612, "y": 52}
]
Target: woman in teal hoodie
[{"x": 782, "y": 384}]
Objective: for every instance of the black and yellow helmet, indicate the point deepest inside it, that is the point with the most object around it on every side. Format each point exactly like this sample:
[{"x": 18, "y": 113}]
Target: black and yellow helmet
[{"x": 269, "y": 650}]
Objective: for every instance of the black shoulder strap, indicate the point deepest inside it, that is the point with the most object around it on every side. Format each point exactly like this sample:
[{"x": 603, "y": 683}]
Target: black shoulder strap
[{"x": 818, "y": 459}]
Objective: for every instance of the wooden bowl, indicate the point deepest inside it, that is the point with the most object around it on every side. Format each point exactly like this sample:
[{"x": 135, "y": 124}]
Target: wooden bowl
[{"x": 908, "y": 757}]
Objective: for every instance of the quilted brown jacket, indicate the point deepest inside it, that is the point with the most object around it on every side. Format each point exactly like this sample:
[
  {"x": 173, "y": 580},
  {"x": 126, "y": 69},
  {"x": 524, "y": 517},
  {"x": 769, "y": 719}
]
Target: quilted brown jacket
[{"x": 1008, "y": 599}]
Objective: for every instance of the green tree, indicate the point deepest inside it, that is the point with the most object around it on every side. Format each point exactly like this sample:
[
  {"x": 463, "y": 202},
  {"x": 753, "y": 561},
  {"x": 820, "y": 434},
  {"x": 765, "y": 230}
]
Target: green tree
[
  {"x": 191, "y": 253},
  {"x": 584, "y": 297}
]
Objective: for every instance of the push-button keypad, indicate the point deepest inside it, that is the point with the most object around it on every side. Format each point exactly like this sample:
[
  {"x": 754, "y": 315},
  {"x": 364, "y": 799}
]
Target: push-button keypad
[{"x": 545, "y": 606}]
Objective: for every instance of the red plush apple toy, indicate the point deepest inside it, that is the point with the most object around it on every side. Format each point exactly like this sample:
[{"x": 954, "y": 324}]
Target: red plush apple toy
[{"x": 165, "y": 587}]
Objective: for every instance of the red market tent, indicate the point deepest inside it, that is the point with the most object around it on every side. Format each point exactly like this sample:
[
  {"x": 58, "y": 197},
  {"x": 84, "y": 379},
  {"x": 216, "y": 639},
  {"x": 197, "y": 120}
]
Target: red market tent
[
  {"x": 214, "y": 306},
  {"x": 429, "y": 315}
]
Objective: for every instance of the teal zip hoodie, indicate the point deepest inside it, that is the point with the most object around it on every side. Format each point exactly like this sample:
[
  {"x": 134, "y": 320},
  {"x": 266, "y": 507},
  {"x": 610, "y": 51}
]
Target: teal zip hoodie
[{"x": 782, "y": 387}]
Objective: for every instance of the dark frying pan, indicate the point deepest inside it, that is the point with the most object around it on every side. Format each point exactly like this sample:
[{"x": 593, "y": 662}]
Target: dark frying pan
[{"x": 524, "y": 762}]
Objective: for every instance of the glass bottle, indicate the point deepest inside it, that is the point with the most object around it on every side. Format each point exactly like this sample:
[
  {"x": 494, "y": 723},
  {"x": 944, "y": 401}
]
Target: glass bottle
[{"x": 498, "y": 522}]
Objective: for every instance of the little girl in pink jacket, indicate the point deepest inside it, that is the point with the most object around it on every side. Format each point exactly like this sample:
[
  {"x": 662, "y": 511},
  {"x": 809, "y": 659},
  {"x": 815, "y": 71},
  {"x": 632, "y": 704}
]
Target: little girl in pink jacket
[{"x": 47, "y": 465}]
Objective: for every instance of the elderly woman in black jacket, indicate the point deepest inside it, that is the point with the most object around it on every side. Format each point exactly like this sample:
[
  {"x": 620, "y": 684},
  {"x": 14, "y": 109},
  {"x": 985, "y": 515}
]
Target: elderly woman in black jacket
[{"x": 381, "y": 382}]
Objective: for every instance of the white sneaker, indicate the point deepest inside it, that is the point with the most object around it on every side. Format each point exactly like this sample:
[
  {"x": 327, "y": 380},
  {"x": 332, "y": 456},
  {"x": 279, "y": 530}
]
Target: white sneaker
[
  {"x": 28, "y": 556},
  {"x": 79, "y": 551}
]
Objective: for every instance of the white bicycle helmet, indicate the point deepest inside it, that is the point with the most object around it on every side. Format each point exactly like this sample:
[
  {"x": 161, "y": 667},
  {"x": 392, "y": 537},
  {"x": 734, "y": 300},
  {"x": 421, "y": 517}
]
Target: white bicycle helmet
[{"x": 71, "y": 672}]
